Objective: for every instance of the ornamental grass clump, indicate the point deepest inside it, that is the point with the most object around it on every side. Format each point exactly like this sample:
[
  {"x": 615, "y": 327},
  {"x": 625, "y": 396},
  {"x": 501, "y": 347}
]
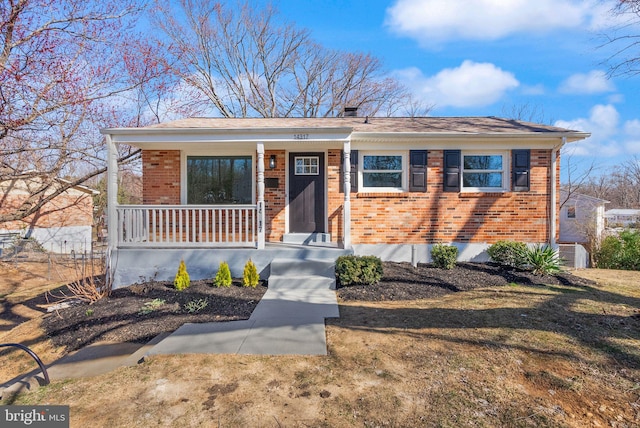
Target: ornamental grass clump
[
  {"x": 182, "y": 280},
  {"x": 250, "y": 276},
  {"x": 542, "y": 259},
  {"x": 444, "y": 256},
  {"x": 223, "y": 277}
]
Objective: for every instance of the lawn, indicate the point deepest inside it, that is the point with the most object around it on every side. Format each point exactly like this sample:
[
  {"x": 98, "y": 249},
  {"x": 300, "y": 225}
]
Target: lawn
[{"x": 565, "y": 354}]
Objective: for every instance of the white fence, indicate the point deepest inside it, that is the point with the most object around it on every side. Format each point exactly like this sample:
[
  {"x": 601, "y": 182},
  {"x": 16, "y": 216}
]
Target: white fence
[{"x": 187, "y": 225}]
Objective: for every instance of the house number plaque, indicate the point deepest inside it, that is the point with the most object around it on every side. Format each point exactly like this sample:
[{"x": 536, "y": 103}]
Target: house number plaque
[{"x": 300, "y": 136}]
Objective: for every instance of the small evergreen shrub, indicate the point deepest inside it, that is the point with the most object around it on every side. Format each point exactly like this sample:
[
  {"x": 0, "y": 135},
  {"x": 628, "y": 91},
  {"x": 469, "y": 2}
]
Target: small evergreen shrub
[
  {"x": 444, "y": 256},
  {"x": 181, "y": 280},
  {"x": 223, "y": 276},
  {"x": 620, "y": 252},
  {"x": 250, "y": 276},
  {"x": 508, "y": 253},
  {"x": 352, "y": 270},
  {"x": 542, "y": 259}
]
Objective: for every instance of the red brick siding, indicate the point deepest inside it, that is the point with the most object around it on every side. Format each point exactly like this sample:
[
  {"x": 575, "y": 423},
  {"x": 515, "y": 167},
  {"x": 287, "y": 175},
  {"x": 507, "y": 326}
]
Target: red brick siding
[
  {"x": 275, "y": 198},
  {"x": 437, "y": 216},
  {"x": 71, "y": 208},
  {"x": 161, "y": 177},
  {"x": 393, "y": 218}
]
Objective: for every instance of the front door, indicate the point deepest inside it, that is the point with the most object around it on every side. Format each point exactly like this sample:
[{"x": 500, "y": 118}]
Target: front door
[{"x": 306, "y": 193}]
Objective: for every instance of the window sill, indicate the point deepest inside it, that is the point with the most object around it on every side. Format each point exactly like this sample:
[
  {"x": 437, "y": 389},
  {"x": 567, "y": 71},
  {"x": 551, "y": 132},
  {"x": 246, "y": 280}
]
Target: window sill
[
  {"x": 382, "y": 195},
  {"x": 503, "y": 194}
]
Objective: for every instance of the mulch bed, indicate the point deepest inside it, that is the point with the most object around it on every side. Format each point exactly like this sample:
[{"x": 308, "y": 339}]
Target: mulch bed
[
  {"x": 140, "y": 312},
  {"x": 129, "y": 314},
  {"x": 401, "y": 281}
]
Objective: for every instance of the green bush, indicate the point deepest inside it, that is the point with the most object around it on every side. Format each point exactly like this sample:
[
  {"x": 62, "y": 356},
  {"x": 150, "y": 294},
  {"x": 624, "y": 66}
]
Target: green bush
[
  {"x": 444, "y": 256},
  {"x": 620, "y": 252},
  {"x": 542, "y": 259},
  {"x": 508, "y": 253},
  {"x": 352, "y": 270},
  {"x": 223, "y": 277},
  {"x": 250, "y": 277},
  {"x": 181, "y": 280}
]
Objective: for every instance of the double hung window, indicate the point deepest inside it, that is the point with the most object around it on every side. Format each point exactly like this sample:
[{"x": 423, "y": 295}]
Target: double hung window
[
  {"x": 383, "y": 171},
  {"x": 484, "y": 172}
]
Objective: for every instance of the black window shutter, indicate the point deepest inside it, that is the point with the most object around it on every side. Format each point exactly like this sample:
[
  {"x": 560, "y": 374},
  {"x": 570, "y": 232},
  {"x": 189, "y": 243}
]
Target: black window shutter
[
  {"x": 417, "y": 170},
  {"x": 521, "y": 161},
  {"x": 353, "y": 173},
  {"x": 451, "y": 179}
]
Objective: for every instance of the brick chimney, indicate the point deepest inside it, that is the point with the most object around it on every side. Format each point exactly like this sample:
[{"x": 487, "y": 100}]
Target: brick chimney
[{"x": 350, "y": 112}]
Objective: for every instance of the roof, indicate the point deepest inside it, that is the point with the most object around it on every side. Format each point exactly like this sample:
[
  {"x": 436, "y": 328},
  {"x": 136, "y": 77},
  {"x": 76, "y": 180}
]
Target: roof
[
  {"x": 472, "y": 125},
  {"x": 436, "y": 126},
  {"x": 582, "y": 197},
  {"x": 620, "y": 211}
]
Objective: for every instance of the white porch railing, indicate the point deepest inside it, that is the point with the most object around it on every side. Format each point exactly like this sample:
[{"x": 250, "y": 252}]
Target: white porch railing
[{"x": 187, "y": 225}]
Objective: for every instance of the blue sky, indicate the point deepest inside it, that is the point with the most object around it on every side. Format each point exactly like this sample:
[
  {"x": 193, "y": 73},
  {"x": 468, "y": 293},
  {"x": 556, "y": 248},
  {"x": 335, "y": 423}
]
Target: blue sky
[{"x": 489, "y": 57}]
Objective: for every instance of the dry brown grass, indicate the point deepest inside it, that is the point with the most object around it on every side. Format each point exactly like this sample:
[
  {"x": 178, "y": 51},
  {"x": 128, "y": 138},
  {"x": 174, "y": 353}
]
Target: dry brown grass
[{"x": 509, "y": 356}]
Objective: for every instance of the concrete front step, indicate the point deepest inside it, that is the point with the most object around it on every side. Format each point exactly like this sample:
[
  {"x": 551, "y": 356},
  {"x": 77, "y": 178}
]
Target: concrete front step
[{"x": 299, "y": 268}]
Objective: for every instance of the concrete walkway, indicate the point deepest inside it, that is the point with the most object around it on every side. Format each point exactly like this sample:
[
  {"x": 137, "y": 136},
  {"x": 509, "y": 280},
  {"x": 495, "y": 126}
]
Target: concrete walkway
[{"x": 288, "y": 320}]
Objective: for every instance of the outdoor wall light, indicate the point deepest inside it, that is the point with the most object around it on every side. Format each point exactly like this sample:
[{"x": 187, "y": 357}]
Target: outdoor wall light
[{"x": 272, "y": 162}]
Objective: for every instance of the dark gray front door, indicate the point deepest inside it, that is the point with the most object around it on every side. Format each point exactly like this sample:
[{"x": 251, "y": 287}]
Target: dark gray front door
[{"x": 306, "y": 192}]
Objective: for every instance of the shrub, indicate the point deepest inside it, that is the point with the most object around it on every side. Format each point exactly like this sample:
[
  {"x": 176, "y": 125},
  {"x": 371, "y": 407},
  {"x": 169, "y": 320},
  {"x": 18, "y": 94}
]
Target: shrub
[
  {"x": 444, "y": 256},
  {"x": 542, "y": 259},
  {"x": 250, "y": 277},
  {"x": 351, "y": 270},
  {"x": 182, "y": 277},
  {"x": 223, "y": 277},
  {"x": 508, "y": 253},
  {"x": 620, "y": 252}
]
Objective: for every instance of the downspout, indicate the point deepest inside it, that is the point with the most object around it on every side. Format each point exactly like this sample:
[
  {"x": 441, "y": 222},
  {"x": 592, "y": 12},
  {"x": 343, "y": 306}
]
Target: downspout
[{"x": 554, "y": 194}]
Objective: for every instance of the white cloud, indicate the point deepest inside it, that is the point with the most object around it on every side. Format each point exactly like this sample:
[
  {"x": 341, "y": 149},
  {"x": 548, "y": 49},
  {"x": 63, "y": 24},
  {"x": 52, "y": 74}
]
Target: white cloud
[
  {"x": 603, "y": 124},
  {"x": 471, "y": 84},
  {"x": 593, "y": 82},
  {"x": 434, "y": 21}
]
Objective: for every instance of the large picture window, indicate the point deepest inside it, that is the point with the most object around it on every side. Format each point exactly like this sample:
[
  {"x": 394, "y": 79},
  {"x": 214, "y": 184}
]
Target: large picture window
[
  {"x": 383, "y": 172},
  {"x": 484, "y": 172},
  {"x": 219, "y": 180}
]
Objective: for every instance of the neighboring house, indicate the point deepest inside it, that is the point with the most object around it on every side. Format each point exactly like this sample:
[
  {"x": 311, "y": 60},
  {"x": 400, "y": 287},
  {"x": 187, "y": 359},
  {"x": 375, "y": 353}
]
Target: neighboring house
[
  {"x": 229, "y": 189},
  {"x": 62, "y": 225},
  {"x": 622, "y": 218},
  {"x": 581, "y": 218}
]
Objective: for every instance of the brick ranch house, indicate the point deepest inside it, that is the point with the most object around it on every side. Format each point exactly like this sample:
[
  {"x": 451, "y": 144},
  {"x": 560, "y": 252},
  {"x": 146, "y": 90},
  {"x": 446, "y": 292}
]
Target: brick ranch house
[
  {"x": 229, "y": 189},
  {"x": 62, "y": 225}
]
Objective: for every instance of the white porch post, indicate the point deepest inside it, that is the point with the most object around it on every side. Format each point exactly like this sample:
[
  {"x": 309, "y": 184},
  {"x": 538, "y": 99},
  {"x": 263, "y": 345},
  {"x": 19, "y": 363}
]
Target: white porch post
[
  {"x": 112, "y": 193},
  {"x": 261, "y": 213},
  {"x": 347, "y": 194}
]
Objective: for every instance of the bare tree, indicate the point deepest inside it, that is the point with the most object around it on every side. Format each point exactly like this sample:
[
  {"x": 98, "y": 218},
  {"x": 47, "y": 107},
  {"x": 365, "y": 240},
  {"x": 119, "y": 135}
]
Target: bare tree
[
  {"x": 623, "y": 41},
  {"x": 247, "y": 62},
  {"x": 65, "y": 67}
]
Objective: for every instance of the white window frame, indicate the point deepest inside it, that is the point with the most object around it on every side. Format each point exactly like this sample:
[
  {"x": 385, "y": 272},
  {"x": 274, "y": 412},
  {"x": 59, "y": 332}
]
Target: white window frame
[
  {"x": 506, "y": 168},
  {"x": 403, "y": 173},
  {"x": 310, "y": 170}
]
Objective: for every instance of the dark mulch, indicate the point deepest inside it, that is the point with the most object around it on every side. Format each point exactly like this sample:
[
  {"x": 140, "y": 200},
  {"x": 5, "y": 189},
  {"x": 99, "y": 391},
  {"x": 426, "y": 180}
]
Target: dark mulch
[
  {"x": 401, "y": 281},
  {"x": 126, "y": 316},
  {"x": 129, "y": 315}
]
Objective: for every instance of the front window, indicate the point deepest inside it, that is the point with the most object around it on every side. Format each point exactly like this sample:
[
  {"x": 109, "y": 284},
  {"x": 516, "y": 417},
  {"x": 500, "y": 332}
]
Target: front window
[
  {"x": 484, "y": 172},
  {"x": 382, "y": 172},
  {"x": 219, "y": 180}
]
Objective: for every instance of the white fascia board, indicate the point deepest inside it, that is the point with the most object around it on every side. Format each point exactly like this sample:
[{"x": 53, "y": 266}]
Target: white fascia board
[{"x": 145, "y": 136}]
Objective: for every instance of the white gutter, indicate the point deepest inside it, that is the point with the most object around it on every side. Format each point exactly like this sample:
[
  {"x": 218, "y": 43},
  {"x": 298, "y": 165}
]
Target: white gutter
[{"x": 554, "y": 193}]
